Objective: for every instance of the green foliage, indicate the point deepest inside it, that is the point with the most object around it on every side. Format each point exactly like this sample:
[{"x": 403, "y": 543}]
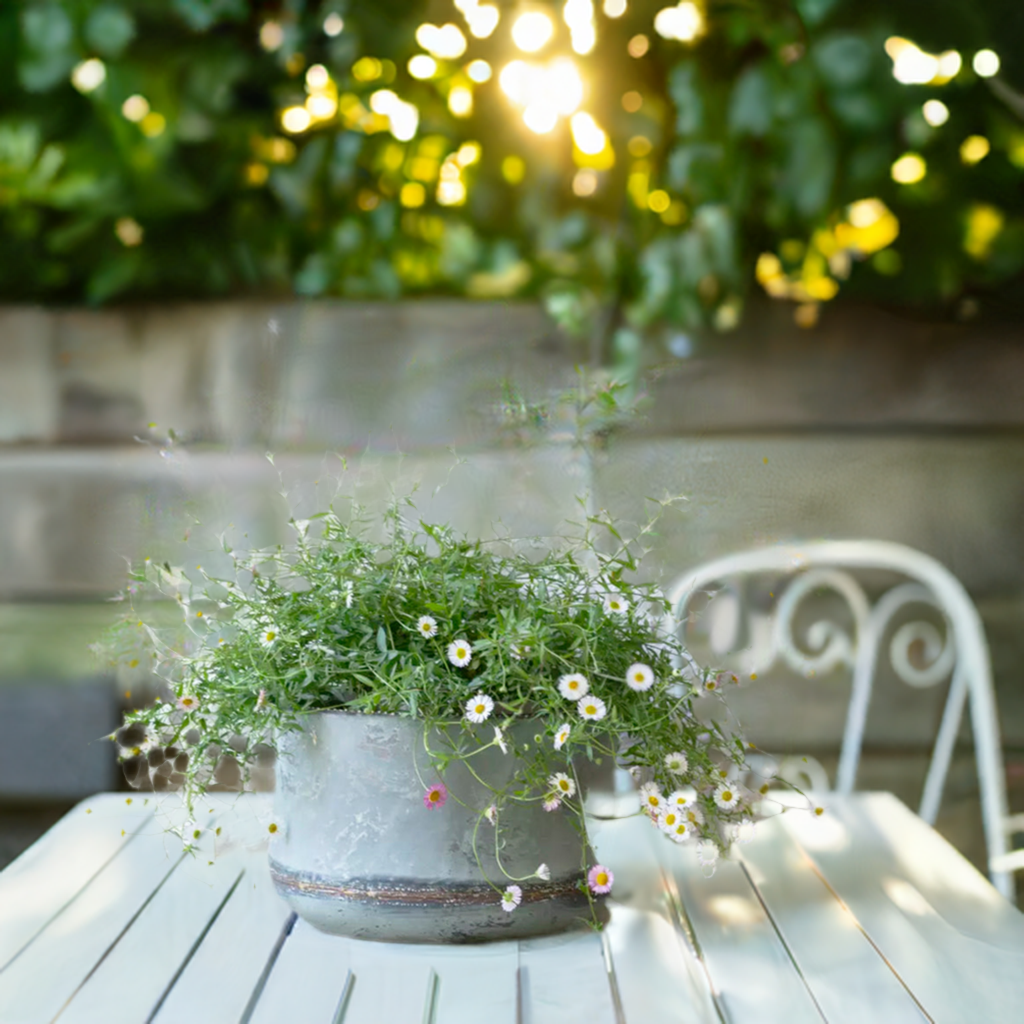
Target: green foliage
[
  {"x": 340, "y": 621},
  {"x": 753, "y": 138}
]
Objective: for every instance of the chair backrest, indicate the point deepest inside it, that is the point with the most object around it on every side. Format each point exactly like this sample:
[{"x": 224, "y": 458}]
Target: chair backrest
[{"x": 962, "y": 654}]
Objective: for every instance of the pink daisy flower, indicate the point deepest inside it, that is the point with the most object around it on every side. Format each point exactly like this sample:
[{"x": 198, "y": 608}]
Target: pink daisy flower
[
  {"x": 435, "y": 796},
  {"x": 600, "y": 879},
  {"x": 552, "y": 803}
]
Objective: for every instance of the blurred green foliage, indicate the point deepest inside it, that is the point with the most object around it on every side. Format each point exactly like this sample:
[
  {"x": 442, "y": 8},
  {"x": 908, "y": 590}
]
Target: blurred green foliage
[{"x": 756, "y": 137}]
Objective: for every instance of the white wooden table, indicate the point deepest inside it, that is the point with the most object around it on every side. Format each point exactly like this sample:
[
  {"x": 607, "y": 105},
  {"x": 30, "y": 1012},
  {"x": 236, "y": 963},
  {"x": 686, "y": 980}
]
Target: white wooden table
[{"x": 864, "y": 915}]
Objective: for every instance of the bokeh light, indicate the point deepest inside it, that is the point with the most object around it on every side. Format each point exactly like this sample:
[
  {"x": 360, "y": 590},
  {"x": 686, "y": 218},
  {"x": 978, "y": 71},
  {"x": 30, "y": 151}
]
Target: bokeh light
[
  {"x": 986, "y": 63},
  {"x": 446, "y": 42},
  {"x": 422, "y": 66},
  {"x": 532, "y": 31},
  {"x": 638, "y": 46},
  {"x": 89, "y": 75},
  {"x": 684, "y": 22},
  {"x": 135, "y": 108},
  {"x": 271, "y": 36},
  {"x": 935, "y": 112},
  {"x": 479, "y": 71},
  {"x": 910, "y": 168},
  {"x": 334, "y": 24},
  {"x": 974, "y": 149}
]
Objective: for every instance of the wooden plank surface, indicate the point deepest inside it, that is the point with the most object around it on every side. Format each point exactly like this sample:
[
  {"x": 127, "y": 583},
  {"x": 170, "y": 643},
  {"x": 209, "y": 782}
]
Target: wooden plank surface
[
  {"x": 864, "y": 915},
  {"x": 659, "y": 975},
  {"x": 309, "y": 973},
  {"x": 47, "y": 877},
  {"x": 850, "y": 981},
  {"x": 956, "y": 943},
  {"x": 37, "y": 985}
]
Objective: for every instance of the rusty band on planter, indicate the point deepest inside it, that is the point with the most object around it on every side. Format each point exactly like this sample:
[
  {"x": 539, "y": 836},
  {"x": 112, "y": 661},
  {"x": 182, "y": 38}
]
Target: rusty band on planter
[{"x": 405, "y": 893}]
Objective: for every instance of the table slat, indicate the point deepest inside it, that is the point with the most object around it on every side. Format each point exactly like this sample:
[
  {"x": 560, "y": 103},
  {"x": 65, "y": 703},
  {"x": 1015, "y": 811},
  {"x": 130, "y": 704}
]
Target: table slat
[
  {"x": 564, "y": 978},
  {"x": 915, "y": 895},
  {"x": 390, "y": 983},
  {"x": 754, "y": 976},
  {"x": 309, "y": 973},
  {"x": 849, "y": 980},
  {"x": 39, "y": 982},
  {"x": 137, "y": 971},
  {"x": 659, "y": 975},
  {"x": 216, "y": 985},
  {"x": 58, "y": 867}
]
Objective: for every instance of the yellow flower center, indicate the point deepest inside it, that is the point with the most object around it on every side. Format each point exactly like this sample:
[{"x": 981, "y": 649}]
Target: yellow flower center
[
  {"x": 272, "y": 827},
  {"x": 591, "y": 710},
  {"x": 270, "y": 636},
  {"x": 480, "y": 709},
  {"x": 434, "y": 796},
  {"x": 727, "y": 795},
  {"x": 460, "y": 652},
  {"x": 602, "y": 878}
]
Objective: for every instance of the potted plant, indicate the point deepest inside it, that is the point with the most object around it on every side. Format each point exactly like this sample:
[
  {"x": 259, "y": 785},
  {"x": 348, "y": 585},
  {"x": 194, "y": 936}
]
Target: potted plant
[{"x": 439, "y": 708}]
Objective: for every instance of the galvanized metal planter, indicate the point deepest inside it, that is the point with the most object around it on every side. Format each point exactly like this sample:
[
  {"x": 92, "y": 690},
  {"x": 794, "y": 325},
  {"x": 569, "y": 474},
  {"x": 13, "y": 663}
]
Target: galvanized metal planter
[{"x": 358, "y": 854}]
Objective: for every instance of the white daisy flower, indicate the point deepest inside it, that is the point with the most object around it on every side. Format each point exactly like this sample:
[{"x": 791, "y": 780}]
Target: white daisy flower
[
  {"x": 681, "y": 832},
  {"x": 268, "y": 636},
  {"x": 574, "y": 686},
  {"x": 615, "y": 604},
  {"x": 187, "y": 702},
  {"x": 499, "y": 738},
  {"x": 694, "y": 815},
  {"x": 639, "y": 677},
  {"x": 479, "y": 708},
  {"x": 562, "y": 784},
  {"x": 562, "y": 735},
  {"x": 511, "y": 898},
  {"x": 460, "y": 653},
  {"x": 677, "y": 763},
  {"x": 544, "y": 872},
  {"x": 681, "y": 798},
  {"x": 727, "y": 796},
  {"x": 651, "y": 799},
  {"x": 491, "y": 814},
  {"x": 669, "y": 818},
  {"x": 592, "y": 708},
  {"x": 426, "y": 626},
  {"x": 742, "y": 831},
  {"x": 707, "y": 852}
]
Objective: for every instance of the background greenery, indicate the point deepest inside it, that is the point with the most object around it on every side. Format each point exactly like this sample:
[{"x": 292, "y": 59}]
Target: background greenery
[{"x": 761, "y": 132}]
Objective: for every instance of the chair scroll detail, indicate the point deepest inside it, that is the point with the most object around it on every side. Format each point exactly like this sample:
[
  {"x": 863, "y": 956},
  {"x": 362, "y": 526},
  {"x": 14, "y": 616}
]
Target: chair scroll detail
[{"x": 961, "y": 655}]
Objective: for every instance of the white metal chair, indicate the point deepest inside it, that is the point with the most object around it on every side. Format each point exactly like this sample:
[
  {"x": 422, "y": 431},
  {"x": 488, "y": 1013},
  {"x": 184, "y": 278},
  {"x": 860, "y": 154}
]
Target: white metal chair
[{"x": 961, "y": 654}]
